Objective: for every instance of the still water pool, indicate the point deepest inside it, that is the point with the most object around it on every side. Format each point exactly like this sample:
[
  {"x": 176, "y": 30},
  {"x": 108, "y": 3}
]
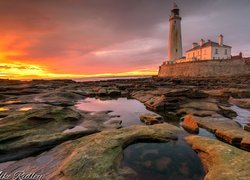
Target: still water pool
[
  {"x": 154, "y": 160},
  {"x": 129, "y": 110}
]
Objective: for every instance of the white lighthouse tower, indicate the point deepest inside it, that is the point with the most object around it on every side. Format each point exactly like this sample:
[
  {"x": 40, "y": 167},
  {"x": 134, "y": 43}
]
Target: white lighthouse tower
[{"x": 174, "y": 36}]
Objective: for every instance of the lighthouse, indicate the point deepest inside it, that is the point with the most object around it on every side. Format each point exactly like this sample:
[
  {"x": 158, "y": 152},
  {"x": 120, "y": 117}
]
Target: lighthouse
[{"x": 174, "y": 36}]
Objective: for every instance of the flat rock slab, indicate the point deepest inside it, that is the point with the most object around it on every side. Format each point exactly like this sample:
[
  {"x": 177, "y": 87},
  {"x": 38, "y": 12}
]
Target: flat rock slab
[
  {"x": 95, "y": 156},
  {"x": 221, "y": 160},
  {"x": 227, "y": 130},
  {"x": 150, "y": 119},
  {"x": 244, "y": 102}
]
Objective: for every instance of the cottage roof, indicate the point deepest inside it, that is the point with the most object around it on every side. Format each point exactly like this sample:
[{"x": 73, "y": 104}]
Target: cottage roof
[{"x": 207, "y": 44}]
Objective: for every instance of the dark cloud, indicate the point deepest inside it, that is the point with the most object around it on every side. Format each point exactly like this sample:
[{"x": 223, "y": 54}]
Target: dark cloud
[{"x": 83, "y": 35}]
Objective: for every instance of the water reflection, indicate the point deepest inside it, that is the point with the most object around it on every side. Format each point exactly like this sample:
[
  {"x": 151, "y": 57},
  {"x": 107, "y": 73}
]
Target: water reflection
[
  {"x": 25, "y": 108},
  {"x": 12, "y": 101},
  {"x": 4, "y": 109},
  {"x": 128, "y": 109},
  {"x": 161, "y": 161},
  {"x": 243, "y": 115}
]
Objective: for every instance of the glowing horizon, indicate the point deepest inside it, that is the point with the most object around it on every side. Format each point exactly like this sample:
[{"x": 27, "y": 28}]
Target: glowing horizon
[{"x": 19, "y": 71}]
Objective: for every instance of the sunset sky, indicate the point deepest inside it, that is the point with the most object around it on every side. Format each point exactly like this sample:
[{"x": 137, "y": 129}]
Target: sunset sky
[{"x": 81, "y": 38}]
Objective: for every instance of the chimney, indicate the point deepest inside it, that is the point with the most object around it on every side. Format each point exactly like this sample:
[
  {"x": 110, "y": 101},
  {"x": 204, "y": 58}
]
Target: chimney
[
  {"x": 220, "y": 40},
  {"x": 202, "y": 42},
  {"x": 194, "y": 45}
]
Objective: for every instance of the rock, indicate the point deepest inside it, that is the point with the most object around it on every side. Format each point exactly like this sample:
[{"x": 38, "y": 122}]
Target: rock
[
  {"x": 200, "y": 113},
  {"x": 102, "y": 92},
  {"x": 56, "y": 98},
  {"x": 244, "y": 103},
  {"x": 33, "y": 131},
  {"x": 189, "y": 93},
  {"x": 113, "y": 124},
  {"x": 227, "y": 92},
  {"x": 227, "y": 130},
  {"x": 241, "y": 94},
  {"x": 177, "y": 93},
  {"x": 201, "y": 105},
  {"x": 197, "y": 94},
  {"x": 156, "y": 103},
  {"x": 101, "y": 120},
  {"x": 227, "y": 112},
  {"x": 190, "y": 124},
  {"x": 150, "y": 119},
  {"x": 143, "y": 96},
  {"x": 221, "y": 161},
  {"x": 114, "y": 92},
  {"x": 247, "y": 127},
  {"x": 95, "y": 156}
]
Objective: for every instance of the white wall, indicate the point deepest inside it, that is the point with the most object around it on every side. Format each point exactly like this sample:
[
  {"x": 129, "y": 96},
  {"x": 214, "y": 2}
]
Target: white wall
[
  {"x": 221, "y": 53},
  {"x": 199, "y": 54},
  {"x": 208, "y": 53}
]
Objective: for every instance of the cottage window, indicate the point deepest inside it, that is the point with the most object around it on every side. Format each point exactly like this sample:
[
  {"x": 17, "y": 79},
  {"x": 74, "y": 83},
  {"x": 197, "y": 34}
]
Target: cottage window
[
  {"x": 216, "y": 51},
  {"x": 225, "y": 51}
]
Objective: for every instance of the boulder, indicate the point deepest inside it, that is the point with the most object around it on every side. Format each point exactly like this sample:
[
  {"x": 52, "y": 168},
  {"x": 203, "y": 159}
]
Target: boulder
[
  {"x": 190, "y": 124},
  {"x": 150, "y": 119}
]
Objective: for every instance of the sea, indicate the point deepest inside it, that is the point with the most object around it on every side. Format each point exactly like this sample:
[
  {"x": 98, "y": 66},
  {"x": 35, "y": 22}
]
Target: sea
[{"x": 108, "y": 78}]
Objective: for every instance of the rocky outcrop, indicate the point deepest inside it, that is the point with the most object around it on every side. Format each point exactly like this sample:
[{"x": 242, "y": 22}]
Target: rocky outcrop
[
  {"x": 221, "y": 160},
  {"x": 25, "y": 133},
  {"x": 150, "y": 119},
  {"x": 227, "y": 130},
  {"x": 95, "y": 156}
]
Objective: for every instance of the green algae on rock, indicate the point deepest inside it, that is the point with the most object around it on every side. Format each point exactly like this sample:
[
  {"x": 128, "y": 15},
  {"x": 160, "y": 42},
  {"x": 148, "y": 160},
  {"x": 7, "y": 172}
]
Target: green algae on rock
[
  {"x": 30, "y": 132},
  {"x": 98, "y": 155},
  {"x": 221, "y": 160}
]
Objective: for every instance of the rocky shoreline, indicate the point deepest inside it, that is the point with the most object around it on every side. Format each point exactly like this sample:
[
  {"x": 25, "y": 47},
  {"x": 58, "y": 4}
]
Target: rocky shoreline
[{"x": 39, "y": 117}]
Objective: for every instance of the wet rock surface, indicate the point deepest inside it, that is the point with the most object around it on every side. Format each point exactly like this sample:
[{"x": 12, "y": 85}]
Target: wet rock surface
[
  {"x": 190, "y": 124},
  {"x": 221, "y": 160},
  {"x": 39, "y": 115},
  {"x": 150, "y": 119},
  {"x": 92, "y": 157}
]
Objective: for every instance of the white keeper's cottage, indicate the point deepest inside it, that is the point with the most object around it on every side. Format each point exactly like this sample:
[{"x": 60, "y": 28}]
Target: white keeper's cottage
[{"x": 209, "y": 50}]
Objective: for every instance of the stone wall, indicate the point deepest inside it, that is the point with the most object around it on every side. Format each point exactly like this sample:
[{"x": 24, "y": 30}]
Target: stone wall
[{"x": 209, "y": 68}]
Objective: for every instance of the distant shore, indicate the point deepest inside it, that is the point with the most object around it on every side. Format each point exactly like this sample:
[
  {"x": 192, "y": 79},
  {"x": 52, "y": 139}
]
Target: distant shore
[{"x": 84, "y": 79}]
